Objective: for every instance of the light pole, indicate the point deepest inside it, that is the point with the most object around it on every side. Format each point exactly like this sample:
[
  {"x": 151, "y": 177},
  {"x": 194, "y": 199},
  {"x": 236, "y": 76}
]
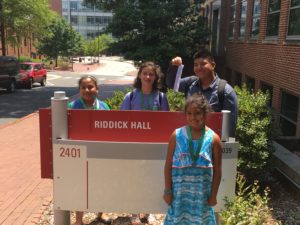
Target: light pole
[{"x": 72, "y": 28}]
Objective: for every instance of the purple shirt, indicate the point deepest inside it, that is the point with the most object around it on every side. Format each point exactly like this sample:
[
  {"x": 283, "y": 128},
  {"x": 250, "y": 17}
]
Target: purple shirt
[{"x": 156, "y": 101}]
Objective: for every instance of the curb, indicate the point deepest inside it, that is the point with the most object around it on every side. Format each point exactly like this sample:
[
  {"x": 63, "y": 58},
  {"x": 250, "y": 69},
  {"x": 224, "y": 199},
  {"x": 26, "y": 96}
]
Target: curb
[{"x": 18, "y": 120}]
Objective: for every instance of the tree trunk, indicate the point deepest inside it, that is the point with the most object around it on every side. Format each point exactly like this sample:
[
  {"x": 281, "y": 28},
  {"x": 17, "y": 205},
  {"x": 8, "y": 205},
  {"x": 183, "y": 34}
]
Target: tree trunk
[{"x": 2, "y": 30}]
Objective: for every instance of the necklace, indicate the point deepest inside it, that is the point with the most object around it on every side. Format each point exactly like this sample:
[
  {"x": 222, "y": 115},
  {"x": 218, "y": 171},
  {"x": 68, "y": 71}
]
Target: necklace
[
  {"x": 195, "y": 155},
  {"x": 150, "y": 102}
]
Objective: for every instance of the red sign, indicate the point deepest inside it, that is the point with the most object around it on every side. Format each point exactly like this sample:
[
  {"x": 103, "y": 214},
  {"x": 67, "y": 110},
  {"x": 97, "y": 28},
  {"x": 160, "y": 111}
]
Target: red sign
[
  {"x": 129, "y": 126},
  {"x": 115, "y": 126}
]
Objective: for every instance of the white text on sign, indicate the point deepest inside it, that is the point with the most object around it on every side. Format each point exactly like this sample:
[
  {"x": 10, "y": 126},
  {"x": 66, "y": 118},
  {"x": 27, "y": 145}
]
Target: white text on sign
[{"x": 138, "y": 125}]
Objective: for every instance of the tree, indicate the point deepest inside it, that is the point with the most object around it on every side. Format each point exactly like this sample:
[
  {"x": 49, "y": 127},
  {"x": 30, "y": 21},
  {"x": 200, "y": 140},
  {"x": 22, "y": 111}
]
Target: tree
[
  {"x": 155, "y": 30},
  {"x": 60, "y": 40},
  {"x": 22, "y": 19},
  {"x": 98, "y": 45}
]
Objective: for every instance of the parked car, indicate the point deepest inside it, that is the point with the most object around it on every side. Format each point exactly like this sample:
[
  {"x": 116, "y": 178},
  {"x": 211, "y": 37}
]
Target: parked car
[
  {"x": 9, "y": 69},
  {"x": 30, "y": 73}
]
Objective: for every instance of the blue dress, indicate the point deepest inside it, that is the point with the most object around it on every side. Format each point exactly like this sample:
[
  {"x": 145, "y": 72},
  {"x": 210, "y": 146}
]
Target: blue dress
[{"x": 191, "y": 183}]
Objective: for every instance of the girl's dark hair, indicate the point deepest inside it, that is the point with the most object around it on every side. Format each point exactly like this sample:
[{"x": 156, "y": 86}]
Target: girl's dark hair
[
  {"x": 138, "y": 83},
  {"x": 200, "y": 102},
  {"x": 94, "y": 80}
]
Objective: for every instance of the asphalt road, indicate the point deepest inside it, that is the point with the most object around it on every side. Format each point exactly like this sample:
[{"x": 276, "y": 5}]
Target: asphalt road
[{"x": 24, "y": 101}]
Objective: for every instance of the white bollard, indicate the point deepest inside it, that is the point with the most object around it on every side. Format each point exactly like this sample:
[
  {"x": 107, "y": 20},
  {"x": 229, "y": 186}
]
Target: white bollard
[
  {"x": 59, "y": 106},
  {"x": 225, "y": 125}
]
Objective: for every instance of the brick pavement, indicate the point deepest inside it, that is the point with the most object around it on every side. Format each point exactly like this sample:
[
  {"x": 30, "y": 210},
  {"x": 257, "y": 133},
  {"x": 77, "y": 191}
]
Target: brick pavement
[{"x": 23, "y": 194}]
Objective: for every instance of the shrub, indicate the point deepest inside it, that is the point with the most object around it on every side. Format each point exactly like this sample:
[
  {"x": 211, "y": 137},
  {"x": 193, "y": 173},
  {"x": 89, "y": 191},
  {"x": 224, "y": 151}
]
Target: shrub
[
  {"x": 248, "y": 207},
  {"x": 27, "y": 59},
  {"x": 116, "y": 100},
  {"x": 176, "y": 100},
  {"x": 254, "y": 130}
]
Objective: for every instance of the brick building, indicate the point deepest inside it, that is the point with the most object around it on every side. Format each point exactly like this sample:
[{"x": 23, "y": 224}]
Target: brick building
[{"x": 258, "y": 42}]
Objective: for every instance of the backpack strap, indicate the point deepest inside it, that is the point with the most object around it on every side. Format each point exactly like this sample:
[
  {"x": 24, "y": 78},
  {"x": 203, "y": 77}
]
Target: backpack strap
[
  {"x": 221, "y": 91},
  {"x": 160, "y": 96}
]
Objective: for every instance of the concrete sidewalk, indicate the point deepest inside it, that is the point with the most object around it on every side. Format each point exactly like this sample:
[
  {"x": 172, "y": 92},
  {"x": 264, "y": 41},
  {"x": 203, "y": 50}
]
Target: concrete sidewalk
[{"x": 23, "y": 194}]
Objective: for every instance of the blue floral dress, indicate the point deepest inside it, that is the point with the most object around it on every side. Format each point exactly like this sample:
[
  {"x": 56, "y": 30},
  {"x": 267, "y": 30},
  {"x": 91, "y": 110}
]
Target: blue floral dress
[{"x": 191, "y": 182}]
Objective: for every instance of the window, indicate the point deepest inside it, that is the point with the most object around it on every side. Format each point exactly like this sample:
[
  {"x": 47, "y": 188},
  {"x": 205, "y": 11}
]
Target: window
[
  {"x": 90, "y": 20},
  {"x": 243, "y": 18},
  {"x": 273, "y": 17},
  {"x": 228, "y": 75},
  {"x": 289, "y": 114},
  {"x": 294, "y": 20},
  {"x": 73, "y": 6},
  {"x": 255, "y": 18},
  {"x": 237, "y": 79},
  {"x": 232, "y": 19},
  {"x": 250, "y": 83},
  {"x": 268, "y": 89},
  {"x": 74, "y": 20}
]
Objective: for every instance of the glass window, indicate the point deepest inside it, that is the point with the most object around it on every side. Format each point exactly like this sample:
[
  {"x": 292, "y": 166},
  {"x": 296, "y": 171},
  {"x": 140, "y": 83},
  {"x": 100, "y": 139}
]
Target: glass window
[
  {"x": 268, "y": 89},
  {"x": 255, "y": 18},
  {"x": 289, "y": 113},
  {"x": 228, "y": 75},
  {"x": 237, "y": 79},
  {"x": 273, "y": 17},
  {"x": 74, "y": 20},
  {"x": 73, "y": 5},
  {"x": 294, "y": 19},
  {"x": 250, "y": 83},
  {"x": 65, "y": 6},
  {"x": 289, "y": 106},
  {"x": 243, "y": 18},
  {"x": 90, "y": 20},
  {"x": 232, "y": 18}
]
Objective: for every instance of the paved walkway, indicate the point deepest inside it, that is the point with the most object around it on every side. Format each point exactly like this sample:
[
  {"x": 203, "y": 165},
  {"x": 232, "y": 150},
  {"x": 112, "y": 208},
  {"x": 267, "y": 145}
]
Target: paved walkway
[{"x": 23, "y": 194}]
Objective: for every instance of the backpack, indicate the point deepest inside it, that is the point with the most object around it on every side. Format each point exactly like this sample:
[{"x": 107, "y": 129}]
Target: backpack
[
  {"x": 160, "y": 96},
  {"x": 221, "y": 88}
]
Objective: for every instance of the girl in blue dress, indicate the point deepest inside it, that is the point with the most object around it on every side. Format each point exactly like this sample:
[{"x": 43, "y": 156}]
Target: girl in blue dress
[{"x": 193, "y": 168}]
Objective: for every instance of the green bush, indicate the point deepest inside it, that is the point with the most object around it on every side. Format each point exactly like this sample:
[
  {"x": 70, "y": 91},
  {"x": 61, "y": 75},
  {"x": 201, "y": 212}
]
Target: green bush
[
  {"x": 248, "y": 207},
  {"x": 27, "y": 59},
  {"x": 116, "y": 100},
  {"x": 254, "y": 130},
  {"x": 176, "y": 100}
]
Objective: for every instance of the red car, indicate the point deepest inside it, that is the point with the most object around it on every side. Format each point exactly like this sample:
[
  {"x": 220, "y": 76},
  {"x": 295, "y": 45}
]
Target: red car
[{"x": 30, "y": 73}]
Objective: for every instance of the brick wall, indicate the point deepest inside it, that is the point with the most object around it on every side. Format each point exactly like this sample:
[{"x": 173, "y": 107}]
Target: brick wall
[
  {"x": 273, "y": 61},
  {"x": 56, "y": 5}
]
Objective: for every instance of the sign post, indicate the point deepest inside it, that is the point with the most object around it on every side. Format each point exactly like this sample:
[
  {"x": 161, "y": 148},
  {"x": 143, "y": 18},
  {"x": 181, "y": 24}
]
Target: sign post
[{"x": 59, "y": 104}]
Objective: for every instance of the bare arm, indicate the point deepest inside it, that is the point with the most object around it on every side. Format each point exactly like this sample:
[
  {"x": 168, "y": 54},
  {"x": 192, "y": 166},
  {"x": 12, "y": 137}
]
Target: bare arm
[
  {"x": 168, "y": 168},
  {"x": 217, "y": 169}
]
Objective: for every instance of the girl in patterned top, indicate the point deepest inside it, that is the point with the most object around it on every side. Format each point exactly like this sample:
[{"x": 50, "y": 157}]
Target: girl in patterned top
[{"x": 193, "y": 168}]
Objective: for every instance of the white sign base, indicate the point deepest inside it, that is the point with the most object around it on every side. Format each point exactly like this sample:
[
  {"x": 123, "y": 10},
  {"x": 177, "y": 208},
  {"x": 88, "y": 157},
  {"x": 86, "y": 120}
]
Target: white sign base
[{"x": 121, "y": 177}]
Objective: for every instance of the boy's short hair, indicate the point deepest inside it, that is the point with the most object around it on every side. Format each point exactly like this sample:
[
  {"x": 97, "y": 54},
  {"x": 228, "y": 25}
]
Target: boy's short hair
[{"x": 205, "y": 54}]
